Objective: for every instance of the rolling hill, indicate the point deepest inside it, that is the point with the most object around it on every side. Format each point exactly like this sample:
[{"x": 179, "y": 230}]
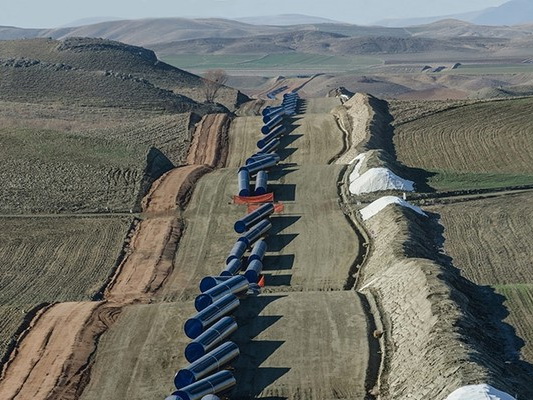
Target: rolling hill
[
  {"x": 286, "y": 19},
  {"x": 146, "y": 32},
  {"x": 319, "y": 43},
  {"x": 452, "y": 28}
]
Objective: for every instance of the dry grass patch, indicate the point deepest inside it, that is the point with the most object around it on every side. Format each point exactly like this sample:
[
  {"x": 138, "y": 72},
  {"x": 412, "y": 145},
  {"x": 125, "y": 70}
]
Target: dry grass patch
[
  {"x": 492, "y": 243},
  {"x": 55, "y": 164},
  {"x": 519, "y": 302}
]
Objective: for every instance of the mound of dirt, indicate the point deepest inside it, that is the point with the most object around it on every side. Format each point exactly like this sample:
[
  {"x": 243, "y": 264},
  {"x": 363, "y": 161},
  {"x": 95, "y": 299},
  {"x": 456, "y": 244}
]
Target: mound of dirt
[
  {"x": 209, "y": 144},
  {"x": 442, "y": 331}
]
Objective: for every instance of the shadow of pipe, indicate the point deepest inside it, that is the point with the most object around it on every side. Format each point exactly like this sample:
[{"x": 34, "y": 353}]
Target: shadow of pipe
[
  {"x": 280, "y": 223},
  {"x": 282, "y": 262},
  {"x": 280, "y": 241}
]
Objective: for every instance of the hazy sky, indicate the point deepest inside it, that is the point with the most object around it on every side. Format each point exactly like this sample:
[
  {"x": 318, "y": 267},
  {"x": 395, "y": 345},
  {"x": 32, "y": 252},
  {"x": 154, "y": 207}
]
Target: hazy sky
[{"x": 53, "y": 13}]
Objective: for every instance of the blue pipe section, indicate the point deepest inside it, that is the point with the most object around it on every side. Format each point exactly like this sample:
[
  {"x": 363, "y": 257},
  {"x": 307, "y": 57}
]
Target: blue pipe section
[
  {"x": 211, "y": 281},
  {"x": 216, "y": 383},
  {"x": 236, "y": 253},
  {"x": 256, "y": 232},
  {"x": 261, "y": 156},
  {"x": 262, "y": 212},
  {"x": 261, "y": 183},
  {"x": 208, "y": 340},
  {"x": 253, "y": 271},
  {"x": 273, "y": 115},
  {"x": 232, "y": 267},
  {"x": 195, "y": 326},
  {"x": 244, "y": 182},
  {"x": 210, "y": 397},
  {"x": 212, "y": 361},
  {"x": 260, "y": 164},
  {"x": 235, "y": 285},
  {"x": 270, "y": 147},
  {"x": 290, "y": 104},
  {"x": 271, "y": 124},
  {"x": 270, "y": 109},
  {"x": 258, "y": 251},
  {"x": 280, "y": 130}
]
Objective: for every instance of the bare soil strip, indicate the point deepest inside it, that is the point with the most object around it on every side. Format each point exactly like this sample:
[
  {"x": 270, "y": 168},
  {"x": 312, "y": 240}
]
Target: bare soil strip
[
  {"x": 146, "y": 267},
  {"x": 38, "y": 364},
  {"x": 172, "y": 188},
  {"x": 209, "y": 144}
]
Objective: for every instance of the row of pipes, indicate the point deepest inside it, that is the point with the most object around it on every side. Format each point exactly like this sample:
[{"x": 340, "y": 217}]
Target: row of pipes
[
  {"x": 209, "y": 353},
  {"x": 266, "y": 156},
  {"x": 272, "y": 94}
]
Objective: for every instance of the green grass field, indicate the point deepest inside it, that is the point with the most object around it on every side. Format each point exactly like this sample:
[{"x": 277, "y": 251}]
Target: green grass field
[
  {"x": 272, "y": 62},
  {"x": 488, "y": 69},
  {"x": 451, "y": 180}
]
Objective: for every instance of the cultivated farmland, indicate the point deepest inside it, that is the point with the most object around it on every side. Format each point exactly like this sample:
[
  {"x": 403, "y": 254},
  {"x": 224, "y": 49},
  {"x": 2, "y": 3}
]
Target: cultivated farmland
[
  {"x": 51, "y": 259},
  {"x": 491, "y": 243},
  {"x": 481, "y": 145},
  {"x": 57, "y": 164}
]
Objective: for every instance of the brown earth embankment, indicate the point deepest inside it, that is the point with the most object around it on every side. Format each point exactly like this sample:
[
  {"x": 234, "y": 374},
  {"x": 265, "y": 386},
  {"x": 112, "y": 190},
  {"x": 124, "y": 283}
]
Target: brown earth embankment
[
  {"x": 209, "y": 145},
  {"x": 442, "y": 330}
]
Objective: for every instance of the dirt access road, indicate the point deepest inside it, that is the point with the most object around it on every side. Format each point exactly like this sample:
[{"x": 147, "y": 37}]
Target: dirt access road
[{"x": 308, "y": 338}]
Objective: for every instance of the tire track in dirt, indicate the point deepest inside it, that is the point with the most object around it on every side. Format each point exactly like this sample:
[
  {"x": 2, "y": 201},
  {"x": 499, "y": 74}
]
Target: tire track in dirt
[
  {"x": 53, "y": 357},
  {"x": 354, "y": 119}
]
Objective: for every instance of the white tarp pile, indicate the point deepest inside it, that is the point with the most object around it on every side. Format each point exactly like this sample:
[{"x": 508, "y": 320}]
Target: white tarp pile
[
  {"x": 356, "y": 173},
  {"x": 479, "y": 392},
  {"x": 378, "y": 179},
  {"x": 378, "y": 205}
]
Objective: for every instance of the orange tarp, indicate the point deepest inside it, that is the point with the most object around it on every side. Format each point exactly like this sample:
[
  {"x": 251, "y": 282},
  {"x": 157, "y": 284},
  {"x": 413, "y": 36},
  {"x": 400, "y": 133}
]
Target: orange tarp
[{"x": 265, "y": 198}]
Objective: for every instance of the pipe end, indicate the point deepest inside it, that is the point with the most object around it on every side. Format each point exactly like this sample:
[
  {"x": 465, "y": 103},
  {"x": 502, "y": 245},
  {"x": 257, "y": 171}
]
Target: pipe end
[{"x": 194, "y": 351}]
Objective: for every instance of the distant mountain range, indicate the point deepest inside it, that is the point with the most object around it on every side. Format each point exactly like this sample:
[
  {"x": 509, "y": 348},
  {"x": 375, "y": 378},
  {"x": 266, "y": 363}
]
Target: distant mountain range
[
  {"x": 286, "y": 19},
  {"x": 168, "y": 36},
  {"x": 514, "y": 12}
]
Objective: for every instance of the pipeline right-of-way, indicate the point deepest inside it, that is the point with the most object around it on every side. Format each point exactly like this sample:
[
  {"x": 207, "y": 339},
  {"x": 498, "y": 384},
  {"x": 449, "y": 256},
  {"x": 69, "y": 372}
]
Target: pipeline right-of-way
[{"x": 210, "y": 352}]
